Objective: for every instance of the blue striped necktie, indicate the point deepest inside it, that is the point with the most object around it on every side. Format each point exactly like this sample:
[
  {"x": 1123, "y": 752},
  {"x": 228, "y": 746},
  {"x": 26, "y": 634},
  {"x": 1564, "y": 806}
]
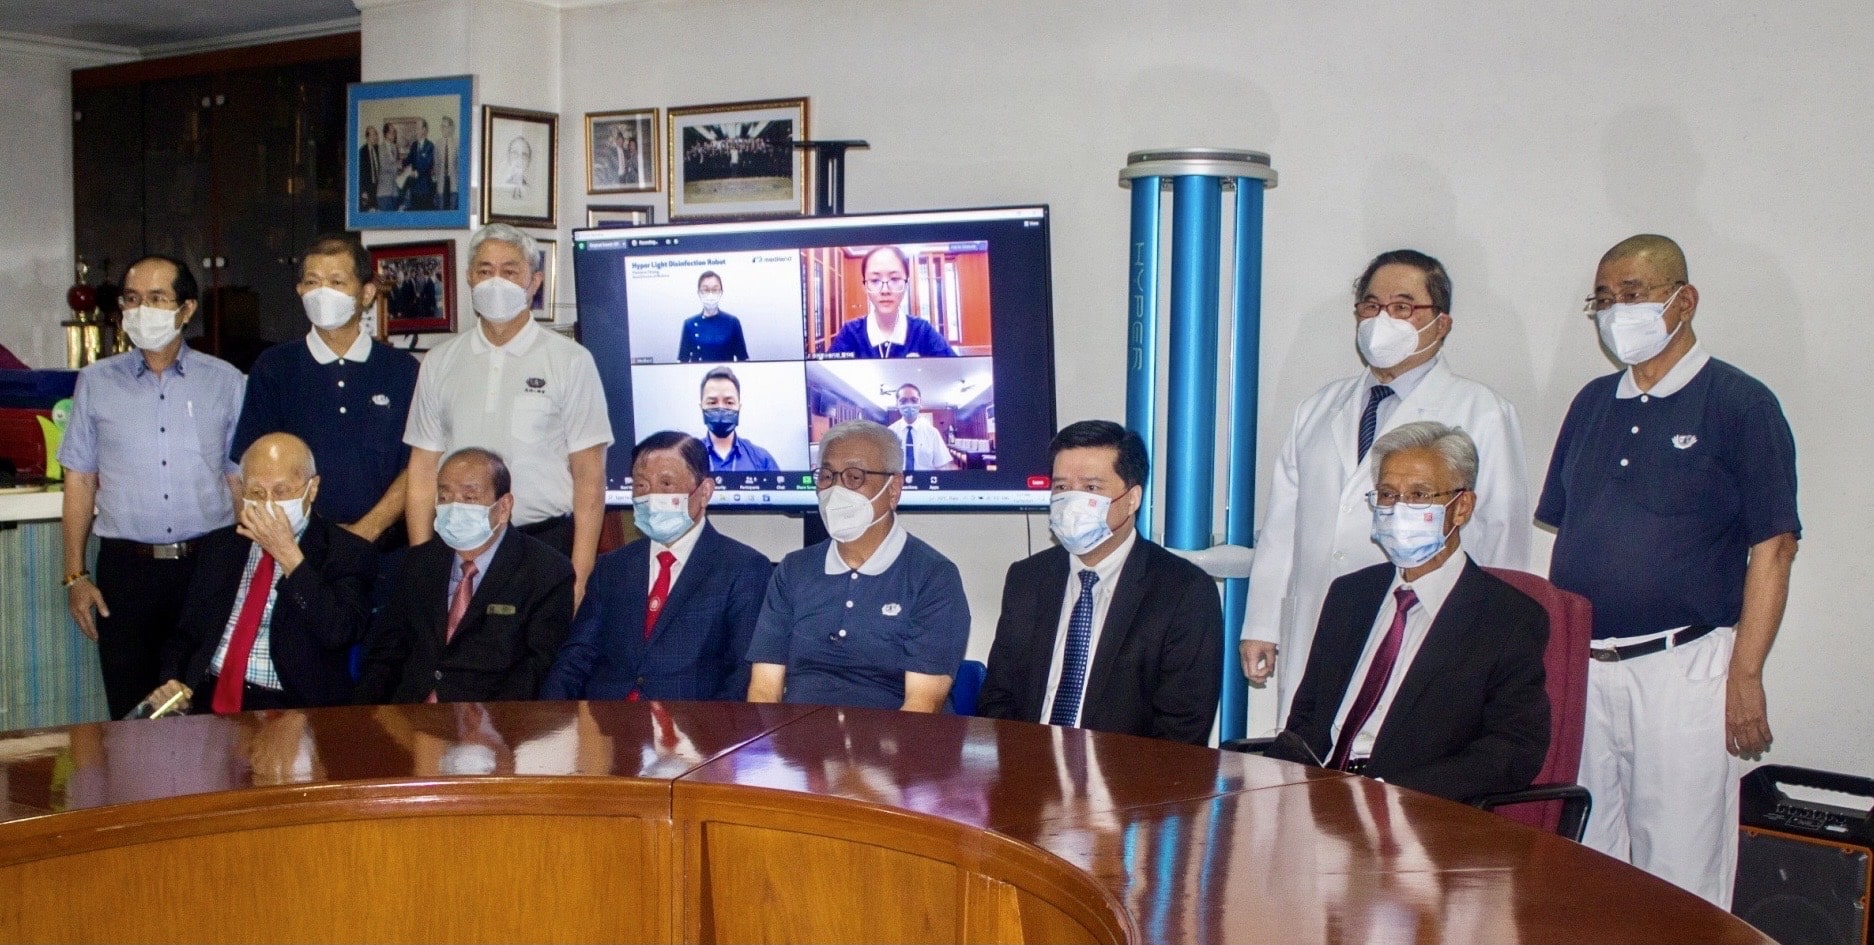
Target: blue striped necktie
[
  {"x": 1369, "y": 418},
  {"x": 1074, "y": 662}
]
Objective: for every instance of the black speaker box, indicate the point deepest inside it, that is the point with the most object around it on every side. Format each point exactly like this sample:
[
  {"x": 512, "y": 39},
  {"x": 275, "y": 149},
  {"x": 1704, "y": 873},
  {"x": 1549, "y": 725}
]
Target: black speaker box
[{"x": 1805, "y": 870}]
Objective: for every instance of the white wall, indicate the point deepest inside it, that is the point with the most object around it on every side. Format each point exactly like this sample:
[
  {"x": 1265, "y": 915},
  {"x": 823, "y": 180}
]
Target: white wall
[{"x": 35, "y": 205}]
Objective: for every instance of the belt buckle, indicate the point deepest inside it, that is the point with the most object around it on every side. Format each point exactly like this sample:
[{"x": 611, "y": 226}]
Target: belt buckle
[
  {"x": 169, "y": 552},
  {"x": 1609, "y": 655}
]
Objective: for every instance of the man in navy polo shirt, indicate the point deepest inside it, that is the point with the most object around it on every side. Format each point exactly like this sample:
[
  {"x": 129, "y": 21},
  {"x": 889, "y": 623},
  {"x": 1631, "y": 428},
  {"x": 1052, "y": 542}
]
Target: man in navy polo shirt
[
  {"x": 1673, "y": 493},
  {"x": 870, "y": 617},
  {"x": 342, "y": 392}
]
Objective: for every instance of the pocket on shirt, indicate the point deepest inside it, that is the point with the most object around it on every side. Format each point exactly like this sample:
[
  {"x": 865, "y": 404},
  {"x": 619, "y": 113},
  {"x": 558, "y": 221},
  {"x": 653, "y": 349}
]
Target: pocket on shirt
[
  {"x": 532, "y": 418},
  {"x": 1682, "y": 484}
]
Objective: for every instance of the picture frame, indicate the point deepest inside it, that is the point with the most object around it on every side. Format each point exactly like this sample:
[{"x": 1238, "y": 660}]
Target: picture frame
[
  {"x": 417, "y": 283},
  {"x": 547, "y": 263},
  {"x": 519, "y": 153},
  {"x": 738, "y": 159},
  {"x": 418, "y": 180},
  {"x": 621, "y": 151},
  {"x": 614, "y": 215}
]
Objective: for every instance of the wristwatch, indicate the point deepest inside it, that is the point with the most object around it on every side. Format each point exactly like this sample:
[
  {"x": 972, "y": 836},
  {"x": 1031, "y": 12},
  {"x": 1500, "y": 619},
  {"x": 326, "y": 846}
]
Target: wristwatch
[{"x": 73, "y": 577}]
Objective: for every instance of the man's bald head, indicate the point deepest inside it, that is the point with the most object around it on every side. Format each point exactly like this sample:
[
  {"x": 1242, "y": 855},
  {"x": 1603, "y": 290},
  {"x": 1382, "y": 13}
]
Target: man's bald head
[
  {"x": 1659, "y": 253},
  {"x": 279, "y": 454}
]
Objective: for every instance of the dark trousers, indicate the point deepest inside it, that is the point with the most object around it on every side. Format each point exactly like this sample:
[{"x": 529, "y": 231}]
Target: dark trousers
[
  {"x": 253, "y": 698},
  {"x": 557, "y": 533},
  {"x": 145, "y": 596}
]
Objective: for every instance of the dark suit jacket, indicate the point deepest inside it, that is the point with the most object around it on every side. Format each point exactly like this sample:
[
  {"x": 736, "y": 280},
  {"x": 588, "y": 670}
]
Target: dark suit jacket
[
  {"x": 319, "y": 612},
  {"x": 1470, "y": 717},
  {"x": 699, "y": 645},
  {"x": 1159, "y": 664},
  {"x": 514, "y": 626}
]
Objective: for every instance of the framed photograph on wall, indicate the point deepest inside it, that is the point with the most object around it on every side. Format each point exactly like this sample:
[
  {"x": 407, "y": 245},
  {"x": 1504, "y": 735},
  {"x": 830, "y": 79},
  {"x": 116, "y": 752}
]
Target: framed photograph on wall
[
  {"x": 418, "y": 284},
  {"x": 738, "y": 159},
  {"x": 405, "y": 166},
  {"x": 518, "y": 157},
  {"x": 618, "y": 214},
  {"x": 548, "y": 265},
  {"x": 621, "y": 151}
]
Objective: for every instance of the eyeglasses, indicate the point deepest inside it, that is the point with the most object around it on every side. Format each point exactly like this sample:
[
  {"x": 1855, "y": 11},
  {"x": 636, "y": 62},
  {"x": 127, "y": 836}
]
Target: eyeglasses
[
  {"x": 852, "y": 477},
  {"x": 892, "y": 282},
  {"x": 1601, "y": 303},
  {"x": 1386, "y": 498},
  {"x": 1400, "y": 310},
  {"x": 133, "y": 300}
]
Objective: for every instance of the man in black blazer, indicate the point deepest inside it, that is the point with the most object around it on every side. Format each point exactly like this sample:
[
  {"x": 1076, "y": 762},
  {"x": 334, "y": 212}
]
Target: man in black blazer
[
  {"x": 670, "y": 615},
  {"x": 1446, "y": 698},
  {"x": 1135, "y": 643},
  {"x": 294, "y": 647},
  {"x": 480, "y": 609}
]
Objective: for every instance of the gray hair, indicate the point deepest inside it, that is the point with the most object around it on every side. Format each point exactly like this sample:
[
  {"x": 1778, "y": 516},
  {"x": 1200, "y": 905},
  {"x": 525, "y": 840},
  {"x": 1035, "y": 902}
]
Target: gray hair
[
  {"x": 1451, "y": 443},
  {"x": 503, "y": 233},
  {"x": 889, "y": 446}
]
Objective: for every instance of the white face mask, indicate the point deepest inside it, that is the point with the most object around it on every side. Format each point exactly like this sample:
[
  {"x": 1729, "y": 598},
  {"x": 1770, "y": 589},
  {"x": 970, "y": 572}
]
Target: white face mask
[
  {"x": 328, "y": 308},
  {"x": 1078, "y": 520},
  {"x": 664, "y": 517},
  {"x": 151, "y": 328},
  {"x": 294, "y": 509},
  {"x": 1636, "y": 331},
  {"x": 846, "y": 513},
  {"x": 711, "y": 300},
  {"x": 464, "y": 526},
  {"x": 1410, "y": 537},
  {"x": 498, "y": 300},
  {"x": 1385, "y": 341}
]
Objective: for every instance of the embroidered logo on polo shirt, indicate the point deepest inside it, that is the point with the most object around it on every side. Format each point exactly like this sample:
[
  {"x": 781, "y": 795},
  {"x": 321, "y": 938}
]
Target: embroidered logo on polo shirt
[
  {"x": 1684, "y": 441},
  {"x": 381, "y": 400},
  {"x": 891, "y": 610},
  {"x": 537, "y": 383}
]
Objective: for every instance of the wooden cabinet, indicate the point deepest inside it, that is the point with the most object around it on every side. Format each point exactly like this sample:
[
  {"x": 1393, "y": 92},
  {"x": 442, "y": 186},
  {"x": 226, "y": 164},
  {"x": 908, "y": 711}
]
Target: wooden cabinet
[{"x": 231, "y": 161}]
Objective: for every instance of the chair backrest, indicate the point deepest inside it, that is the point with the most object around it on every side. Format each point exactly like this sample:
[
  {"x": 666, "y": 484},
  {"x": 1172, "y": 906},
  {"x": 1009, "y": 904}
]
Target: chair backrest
[
  {"x": 1571, "y": 625},
  {"x": 966, "y": 686}
]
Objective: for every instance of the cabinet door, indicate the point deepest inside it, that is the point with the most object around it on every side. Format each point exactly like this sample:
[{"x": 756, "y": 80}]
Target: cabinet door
[
  {"x": 178, "y": 215},
  {"x": 107, "y": 181}
]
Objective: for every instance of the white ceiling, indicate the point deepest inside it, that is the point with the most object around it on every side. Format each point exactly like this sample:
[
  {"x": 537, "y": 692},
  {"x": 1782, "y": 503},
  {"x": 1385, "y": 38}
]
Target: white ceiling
[{"x": 134, "y": 29}]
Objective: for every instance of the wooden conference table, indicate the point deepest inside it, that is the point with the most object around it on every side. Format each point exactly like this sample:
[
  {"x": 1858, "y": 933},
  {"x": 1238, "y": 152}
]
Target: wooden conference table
[{"x": 705, "y": 822}]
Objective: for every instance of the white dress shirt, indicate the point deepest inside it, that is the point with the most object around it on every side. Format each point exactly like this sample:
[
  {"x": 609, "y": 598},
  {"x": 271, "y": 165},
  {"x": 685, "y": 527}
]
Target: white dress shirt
[
  {"x": 1402, "y": 387},
  {"x": 1108, "y": 569},
  {"x": 1432, "y": 589},
  {"x": 681, "y": 548},
  {"x": 927, "y": 445}
]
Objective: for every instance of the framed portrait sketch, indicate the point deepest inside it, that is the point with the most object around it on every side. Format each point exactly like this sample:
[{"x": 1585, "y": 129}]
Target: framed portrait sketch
[
  {"x": 547, "y": 264},
  {"x": 517, "y": 167},
  {"x": 611, "y": 215},
  {"x": 738, "y": 159},
  {"x": 418, "y": 284},
  {"x": 406, "y": 166},
  {"x": 621, "y": 151}
]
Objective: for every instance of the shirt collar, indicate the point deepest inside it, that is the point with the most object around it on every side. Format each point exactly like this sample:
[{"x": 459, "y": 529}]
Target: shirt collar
[
  {"x": 881, "y": 560},
  {"x": 682, "y": 546},
  {"x": 481, "y": 560},
  {"x": 180, "y": 365},
  {"x": 322, "y": 353},
  {"x": 898, "y": 334},
  {"x": 516, "y": 346},
  {"x": 1109, "y": 566},
  {"x": 1403, "y": 385},
  {"x": 1433, "y": 588},
  {"x": 1674, "y": 381}
]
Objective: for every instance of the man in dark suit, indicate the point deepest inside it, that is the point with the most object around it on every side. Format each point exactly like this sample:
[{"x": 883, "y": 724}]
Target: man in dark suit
[
  {"x": 276, "y": 601},
  {"x": 367, "y": 170},
  {"x": 1426, "y": 672},
  {"x": 1138, "y": 632},
  {"x": 670, "y": 615},
  {"x": 480, "y": 609}
]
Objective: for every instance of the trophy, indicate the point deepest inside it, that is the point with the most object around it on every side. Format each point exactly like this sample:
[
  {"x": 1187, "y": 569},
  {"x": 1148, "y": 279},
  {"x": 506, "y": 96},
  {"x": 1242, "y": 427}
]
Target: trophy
[{"x": 88, "y": 336}]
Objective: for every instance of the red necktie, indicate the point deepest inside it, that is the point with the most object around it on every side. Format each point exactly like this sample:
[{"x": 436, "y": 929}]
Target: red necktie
[
  {"x": 1376, "y": 676},
  {"x": 458, "y": 606},
  {"x": 660, "y": 591},
  {"x": 241, "y": 644}
]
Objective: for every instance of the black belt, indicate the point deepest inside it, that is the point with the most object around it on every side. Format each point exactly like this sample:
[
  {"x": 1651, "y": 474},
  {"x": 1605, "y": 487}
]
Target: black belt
[
  {"x": 546, "y": 524},
  {"x": 174, "y": 551},
  {"x": 1615, "y": 654}
]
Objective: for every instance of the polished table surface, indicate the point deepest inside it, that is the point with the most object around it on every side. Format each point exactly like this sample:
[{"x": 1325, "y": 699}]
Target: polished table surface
[{"x": 1192, "y": 844}]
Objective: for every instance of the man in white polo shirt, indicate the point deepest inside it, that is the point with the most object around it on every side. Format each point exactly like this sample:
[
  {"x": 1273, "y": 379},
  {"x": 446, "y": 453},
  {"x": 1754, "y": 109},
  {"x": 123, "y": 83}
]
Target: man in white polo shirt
[{"x": 529, "y": 394}]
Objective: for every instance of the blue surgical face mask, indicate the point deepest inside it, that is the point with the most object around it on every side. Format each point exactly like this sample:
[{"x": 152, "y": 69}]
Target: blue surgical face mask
[
  {"x": 1078, "y": 520},
  {"x": 1410, "y": 536},
  {"x": 663, "y": 516},
  {"x": 464, "y": 526},
  {"x": 909, "y": 412}
]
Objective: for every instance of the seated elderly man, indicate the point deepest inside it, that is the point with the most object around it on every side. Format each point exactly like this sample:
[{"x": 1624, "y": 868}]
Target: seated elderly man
[
  {"x": 668, "y": 616},
  {"x": 1426, "y": 672},
  {"x": 481, "y": 609},
  {"x": 277, "y": 599},
  {"x": 871, "y": 617}
]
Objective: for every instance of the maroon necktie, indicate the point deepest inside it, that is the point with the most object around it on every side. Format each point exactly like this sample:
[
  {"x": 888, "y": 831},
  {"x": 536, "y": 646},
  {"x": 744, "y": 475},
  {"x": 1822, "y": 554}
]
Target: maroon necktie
[
  {"x": 458, "y": 607},
  {"x": 1376, "y": 676},
  {"x": 241, "y": 643}
]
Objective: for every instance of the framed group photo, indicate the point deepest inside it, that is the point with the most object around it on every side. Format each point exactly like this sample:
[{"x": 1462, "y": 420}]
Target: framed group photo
[
  {"x": 406, "y": 165},
  {"x": 621, "y": 151},
  {"x": 738, "y": 159},
  {"x": 518, "y": 157},
  {"x": 417, "y": 282}
]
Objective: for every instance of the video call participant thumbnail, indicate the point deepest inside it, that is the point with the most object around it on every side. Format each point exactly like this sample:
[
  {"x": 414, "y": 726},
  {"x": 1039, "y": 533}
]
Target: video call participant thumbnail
[
  {"x": 722, "y": 414},
  {"x": 713, "y": 334},
  {"x": 924, "y": 447},
  {"x": 888, "y": 330}
]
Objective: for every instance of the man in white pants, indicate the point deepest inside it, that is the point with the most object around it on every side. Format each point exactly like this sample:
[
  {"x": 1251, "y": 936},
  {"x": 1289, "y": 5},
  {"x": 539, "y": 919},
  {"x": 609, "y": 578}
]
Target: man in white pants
[
  {"x": 1318, "y": 526},
  {"x": 1673, "y": 493}
]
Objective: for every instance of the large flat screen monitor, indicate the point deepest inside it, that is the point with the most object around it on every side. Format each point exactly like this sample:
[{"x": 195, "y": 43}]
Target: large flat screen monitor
[{"x": 759, "y": 336}]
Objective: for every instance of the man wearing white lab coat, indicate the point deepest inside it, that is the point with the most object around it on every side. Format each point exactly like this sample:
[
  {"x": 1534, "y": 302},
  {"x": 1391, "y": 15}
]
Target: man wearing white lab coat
[{"x": 1318, "y": 524}]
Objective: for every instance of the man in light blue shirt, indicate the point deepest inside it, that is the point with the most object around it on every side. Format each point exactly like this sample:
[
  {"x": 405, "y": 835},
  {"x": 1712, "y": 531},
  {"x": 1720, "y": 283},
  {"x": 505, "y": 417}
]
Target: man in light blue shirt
[{"x": 147, "y": 447}]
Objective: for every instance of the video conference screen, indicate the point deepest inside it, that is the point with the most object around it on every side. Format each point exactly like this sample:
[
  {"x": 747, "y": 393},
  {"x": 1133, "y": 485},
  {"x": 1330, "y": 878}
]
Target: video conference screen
[{"x": 758, "y": 336}]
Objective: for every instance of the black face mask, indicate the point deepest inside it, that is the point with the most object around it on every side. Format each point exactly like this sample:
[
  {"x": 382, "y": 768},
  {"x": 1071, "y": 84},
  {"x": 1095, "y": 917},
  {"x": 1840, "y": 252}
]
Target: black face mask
[{"x": 721, "y": 420}]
